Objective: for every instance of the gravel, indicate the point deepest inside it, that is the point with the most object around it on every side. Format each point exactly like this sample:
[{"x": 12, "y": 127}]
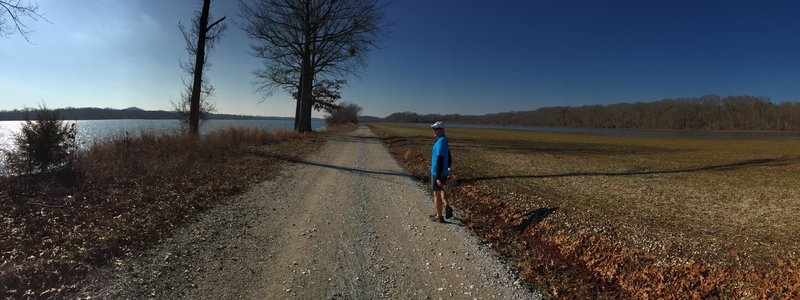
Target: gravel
[{"x": 346, "y": 223}]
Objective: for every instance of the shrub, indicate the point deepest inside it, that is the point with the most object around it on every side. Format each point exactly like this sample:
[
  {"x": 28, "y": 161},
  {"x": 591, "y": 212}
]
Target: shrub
[
  {"x": 42, "y": 145},
  {"x": 343, "y": 114}
]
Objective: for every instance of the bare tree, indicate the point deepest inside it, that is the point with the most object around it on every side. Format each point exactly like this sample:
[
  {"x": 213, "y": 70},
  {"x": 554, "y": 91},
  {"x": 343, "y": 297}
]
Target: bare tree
[
  {"x": 200, "y": 41},
  {"x": 17, "y": 11},
  {"x": 324, "y": 96},
  {"x": 305, "y": 40}
]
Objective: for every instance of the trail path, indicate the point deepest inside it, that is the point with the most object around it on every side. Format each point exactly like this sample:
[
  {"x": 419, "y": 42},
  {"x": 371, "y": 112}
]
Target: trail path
[{"x": 346, "y": 223}]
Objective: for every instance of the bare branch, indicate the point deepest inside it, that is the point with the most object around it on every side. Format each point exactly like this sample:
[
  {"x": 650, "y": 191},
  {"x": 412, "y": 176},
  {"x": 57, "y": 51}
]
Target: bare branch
[
  {"x": 215, "y": 23},
  {"x": 17, "y": 11}
]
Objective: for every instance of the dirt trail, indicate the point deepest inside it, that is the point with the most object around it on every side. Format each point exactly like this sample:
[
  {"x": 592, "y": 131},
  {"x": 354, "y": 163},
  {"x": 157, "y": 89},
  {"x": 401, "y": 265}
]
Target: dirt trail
[{"x": 347, "y": 223}]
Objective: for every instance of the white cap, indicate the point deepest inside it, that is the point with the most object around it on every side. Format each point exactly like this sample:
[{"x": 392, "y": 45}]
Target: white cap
[{"x": 438, "y": 125}]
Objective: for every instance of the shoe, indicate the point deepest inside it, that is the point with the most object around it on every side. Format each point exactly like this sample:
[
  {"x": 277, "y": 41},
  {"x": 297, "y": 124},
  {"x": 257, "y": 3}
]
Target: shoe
[
  {"x": 448, "y": 212},
  {"x": 439, "y": 219}
]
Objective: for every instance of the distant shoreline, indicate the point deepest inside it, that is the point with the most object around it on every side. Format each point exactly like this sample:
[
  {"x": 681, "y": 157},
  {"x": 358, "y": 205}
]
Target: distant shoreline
[
  {"x": 131, "y": 113},
  {"x": 176, "y": 119}
]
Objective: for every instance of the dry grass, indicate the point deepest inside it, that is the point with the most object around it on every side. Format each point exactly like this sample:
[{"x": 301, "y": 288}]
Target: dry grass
[
  {"x": 123, "y": 194},
  {"x": 628, "y": 216}
]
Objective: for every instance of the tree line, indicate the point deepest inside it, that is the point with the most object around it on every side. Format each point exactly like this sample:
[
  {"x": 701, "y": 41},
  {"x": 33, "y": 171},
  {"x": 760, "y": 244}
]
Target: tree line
[
  {"x": 94, "y": 113},
  {"x": 710, "y": 112}
]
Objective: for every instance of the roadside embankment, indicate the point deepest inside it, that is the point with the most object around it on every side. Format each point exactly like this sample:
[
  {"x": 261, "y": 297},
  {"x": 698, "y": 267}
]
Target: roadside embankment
[{"x": 120, "y": 196}]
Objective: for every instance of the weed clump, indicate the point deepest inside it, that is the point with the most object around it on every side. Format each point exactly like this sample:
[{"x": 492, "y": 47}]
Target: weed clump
[{"x": 44, "y": 144}]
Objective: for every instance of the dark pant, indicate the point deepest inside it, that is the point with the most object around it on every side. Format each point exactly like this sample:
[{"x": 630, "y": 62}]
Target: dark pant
[{"x": 436, "y": 187}]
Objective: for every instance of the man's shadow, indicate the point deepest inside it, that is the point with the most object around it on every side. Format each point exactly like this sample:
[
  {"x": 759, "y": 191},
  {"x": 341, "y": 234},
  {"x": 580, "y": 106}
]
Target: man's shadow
[{"x": 532, "y": 218}]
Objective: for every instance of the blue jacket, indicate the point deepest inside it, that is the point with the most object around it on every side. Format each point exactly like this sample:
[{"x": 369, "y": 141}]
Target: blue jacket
[{"x": 440, "y": 158}]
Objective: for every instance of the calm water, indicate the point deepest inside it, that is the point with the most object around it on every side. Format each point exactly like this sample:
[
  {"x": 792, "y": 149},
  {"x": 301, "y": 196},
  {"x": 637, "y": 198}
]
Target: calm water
[{"x": 89, "y": 131}]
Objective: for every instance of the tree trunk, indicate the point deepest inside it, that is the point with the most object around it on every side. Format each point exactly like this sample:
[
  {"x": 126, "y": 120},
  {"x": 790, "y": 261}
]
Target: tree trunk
[
  {"x": 297, "y": 106},
  {"x": 306, "y": 84},
  {"x": 199, "y": 61},
  {"x": 307, "y": 107}
]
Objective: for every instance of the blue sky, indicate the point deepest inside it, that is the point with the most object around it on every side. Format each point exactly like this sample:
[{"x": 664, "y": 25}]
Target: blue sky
[{"x": 454, "y": 56}]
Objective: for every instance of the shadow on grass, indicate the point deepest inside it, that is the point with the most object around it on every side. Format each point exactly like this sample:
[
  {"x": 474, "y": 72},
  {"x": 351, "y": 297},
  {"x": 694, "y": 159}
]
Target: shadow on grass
[
  {"x": 533, "y": 218},
  {"x": 529, "y": 147},
  {"x": 563, "y": 149},
  {"x": 725, "y": 167}
]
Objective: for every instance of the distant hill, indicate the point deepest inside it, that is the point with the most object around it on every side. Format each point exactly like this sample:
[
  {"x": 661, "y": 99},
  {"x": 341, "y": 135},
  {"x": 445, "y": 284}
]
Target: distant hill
[{"x": 94, "y": 113}]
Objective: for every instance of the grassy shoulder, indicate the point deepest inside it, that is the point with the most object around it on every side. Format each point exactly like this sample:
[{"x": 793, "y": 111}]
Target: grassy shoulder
[
  {"x": 637, "y": 217},
  {"x": 120, "y": 196}
]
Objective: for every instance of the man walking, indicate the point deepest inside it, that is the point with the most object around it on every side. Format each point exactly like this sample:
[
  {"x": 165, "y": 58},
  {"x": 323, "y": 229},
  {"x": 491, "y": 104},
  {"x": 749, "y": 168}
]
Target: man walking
[{"x": 440, "y": 165}]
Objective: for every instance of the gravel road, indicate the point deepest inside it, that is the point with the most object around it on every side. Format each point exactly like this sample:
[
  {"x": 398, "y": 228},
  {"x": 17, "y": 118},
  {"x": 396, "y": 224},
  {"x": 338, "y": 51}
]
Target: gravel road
[{"x": 346, "y": 223}]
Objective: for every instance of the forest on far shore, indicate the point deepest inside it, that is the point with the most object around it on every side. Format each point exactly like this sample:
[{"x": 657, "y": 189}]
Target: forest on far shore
[
  {"x": 709, "y": 112},
  {"x": 94, "y": 113}
]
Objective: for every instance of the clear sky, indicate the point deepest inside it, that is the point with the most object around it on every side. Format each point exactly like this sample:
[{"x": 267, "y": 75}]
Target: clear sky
[{"x": 442, "y": 56}]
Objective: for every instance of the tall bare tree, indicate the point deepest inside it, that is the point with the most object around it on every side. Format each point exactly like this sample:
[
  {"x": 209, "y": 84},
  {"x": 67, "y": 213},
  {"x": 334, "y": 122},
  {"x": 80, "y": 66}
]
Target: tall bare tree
[
  {"x": 200, "y": 39},
  {"x": 324, "y": 96},
  {"x": 17, "y": 11},
  {"x": 302, "y": 41}
]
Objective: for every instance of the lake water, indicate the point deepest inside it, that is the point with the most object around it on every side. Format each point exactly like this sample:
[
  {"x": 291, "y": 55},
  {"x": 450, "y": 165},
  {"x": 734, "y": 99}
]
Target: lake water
[{"x": 89, "y": 131}]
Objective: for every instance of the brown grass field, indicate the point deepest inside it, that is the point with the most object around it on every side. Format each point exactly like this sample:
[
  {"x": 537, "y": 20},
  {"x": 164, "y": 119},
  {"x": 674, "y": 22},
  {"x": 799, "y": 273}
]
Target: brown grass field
[
  {"x": 122, "y": 195},
  {"x": 633, "y": 217}
]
